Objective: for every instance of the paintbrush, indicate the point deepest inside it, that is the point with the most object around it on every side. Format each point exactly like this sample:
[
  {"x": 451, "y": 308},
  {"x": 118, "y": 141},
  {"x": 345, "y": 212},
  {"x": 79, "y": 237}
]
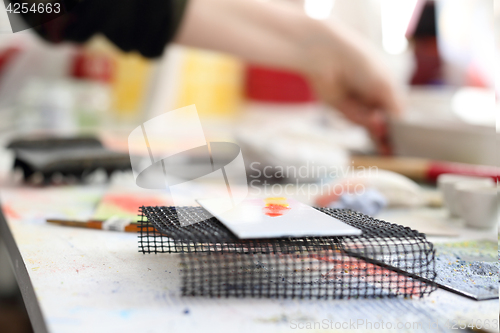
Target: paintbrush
[
  {"x": 113, "y": 223},
  {"x": 421, "y": 169}
]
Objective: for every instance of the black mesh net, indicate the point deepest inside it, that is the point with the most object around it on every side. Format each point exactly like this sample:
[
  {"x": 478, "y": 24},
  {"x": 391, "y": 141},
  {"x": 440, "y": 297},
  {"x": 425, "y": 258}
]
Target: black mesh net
[{"x": 386, "y": 260}]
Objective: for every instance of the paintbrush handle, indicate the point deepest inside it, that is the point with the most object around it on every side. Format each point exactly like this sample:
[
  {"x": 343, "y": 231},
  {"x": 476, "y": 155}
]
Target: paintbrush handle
[
  {"x": 422, "y": 169},
  {"x": 78, "y": 224},
  {"x": 413, "y": 168},
  {"x": 93, "y": 224}
]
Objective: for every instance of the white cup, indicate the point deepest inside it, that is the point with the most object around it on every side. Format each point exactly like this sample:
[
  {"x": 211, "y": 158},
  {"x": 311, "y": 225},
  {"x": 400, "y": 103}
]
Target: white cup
[
  {"x": 477, "y": 204},
  {"x": 446, "y": 184}
]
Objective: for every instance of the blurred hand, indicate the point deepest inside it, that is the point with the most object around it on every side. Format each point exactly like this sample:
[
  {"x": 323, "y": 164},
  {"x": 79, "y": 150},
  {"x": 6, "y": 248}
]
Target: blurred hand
[
  {"x": 345, "y": 73},
  {"x": 342, "y": 69}
]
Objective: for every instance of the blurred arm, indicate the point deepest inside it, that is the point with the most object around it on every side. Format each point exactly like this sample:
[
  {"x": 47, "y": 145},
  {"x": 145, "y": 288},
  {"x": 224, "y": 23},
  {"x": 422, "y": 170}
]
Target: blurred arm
[
  {"x": 342, "y": 68},
  {"x": 266, "y": 33}
]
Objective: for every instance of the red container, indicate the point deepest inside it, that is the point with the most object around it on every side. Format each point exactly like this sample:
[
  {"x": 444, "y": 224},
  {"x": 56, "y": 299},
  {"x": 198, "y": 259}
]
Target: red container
[{"x": 276, "y": 86}]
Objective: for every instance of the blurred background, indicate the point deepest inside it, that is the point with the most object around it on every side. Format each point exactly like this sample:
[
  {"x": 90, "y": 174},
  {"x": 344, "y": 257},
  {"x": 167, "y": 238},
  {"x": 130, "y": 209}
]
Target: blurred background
[{"x": 442, "y": 54}]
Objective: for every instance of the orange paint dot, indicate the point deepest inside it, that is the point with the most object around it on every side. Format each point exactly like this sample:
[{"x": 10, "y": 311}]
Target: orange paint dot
[{"x": 276, "y": 206}]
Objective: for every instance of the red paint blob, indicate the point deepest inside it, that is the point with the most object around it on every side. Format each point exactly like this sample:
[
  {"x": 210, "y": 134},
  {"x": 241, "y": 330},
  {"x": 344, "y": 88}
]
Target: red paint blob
[{"x": 274, "y": 210}]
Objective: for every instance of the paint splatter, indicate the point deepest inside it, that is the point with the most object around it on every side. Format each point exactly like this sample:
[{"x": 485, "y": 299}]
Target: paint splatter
[
  {"x": 131, "y": 203},
  {"x": 10, "y": 212},
  {"x": 127, "y": 205},
  {"x": 276, "y": 206},
  {"x": 471, "y": 266}
]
